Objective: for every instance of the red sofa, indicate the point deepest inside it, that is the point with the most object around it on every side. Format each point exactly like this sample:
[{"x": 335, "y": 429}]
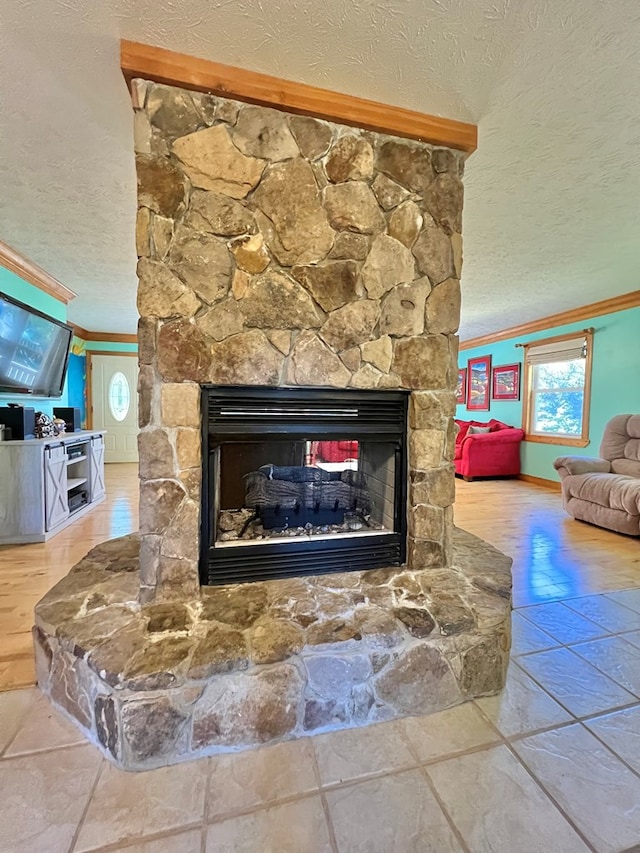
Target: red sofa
[
  {"x": 333, "y": 451},
  {"x": 492, "y": 454}
]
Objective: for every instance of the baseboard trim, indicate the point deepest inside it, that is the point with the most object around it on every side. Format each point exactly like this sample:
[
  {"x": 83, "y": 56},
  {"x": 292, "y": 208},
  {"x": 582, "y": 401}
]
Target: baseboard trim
[{"x": 541, "y": 481}]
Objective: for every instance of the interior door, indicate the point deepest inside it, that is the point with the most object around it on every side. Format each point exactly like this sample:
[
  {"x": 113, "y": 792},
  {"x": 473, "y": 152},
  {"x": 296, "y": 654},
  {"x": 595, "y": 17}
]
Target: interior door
[{"x": 114, "y": 404}]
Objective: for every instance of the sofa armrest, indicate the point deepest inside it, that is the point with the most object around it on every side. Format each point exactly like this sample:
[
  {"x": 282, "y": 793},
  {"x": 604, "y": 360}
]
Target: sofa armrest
[{"x": 567, "y": 465}]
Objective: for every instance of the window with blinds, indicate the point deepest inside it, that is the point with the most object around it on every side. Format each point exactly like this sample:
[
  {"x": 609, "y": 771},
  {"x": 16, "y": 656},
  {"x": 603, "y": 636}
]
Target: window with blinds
[{"x": 557, "y": 383}]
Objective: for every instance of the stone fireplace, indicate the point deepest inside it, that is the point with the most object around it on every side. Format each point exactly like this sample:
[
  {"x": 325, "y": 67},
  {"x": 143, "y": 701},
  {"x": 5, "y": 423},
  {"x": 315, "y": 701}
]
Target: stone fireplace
[{"x": 283, "y": 259}]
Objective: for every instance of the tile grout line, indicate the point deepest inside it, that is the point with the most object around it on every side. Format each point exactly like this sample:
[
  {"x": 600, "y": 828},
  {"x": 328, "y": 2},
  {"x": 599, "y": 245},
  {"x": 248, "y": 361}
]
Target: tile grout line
[
  {"x": 17, "y": 730},
  {"x": 127, "y": 843},
  {"x": 420, "y": 766},
  {"x": 5, "y": 759},
  {"x": 261, "y": 807},
  {"x": 76, "y": 834},
  {"x": 575, "y": 717},
  {"x": 544, "y": 689},
  {"x": 611, "y": 592},
  {"x": 560, "y": 702},
  {"x": 515, "y": 655},
  {"x": 587, "y": 718},
  {"x": 606, "y": 594},
  {"x": 634, "y": 692},
  {"x": 610, "y": 749},
  {"x": 488, "y": 720},
  {"x": 567, "y": 603},
  {"x": 405, "y": 768},
  {"x": 207, "y": 787},
  {"x": 445, "y": 811},
  {"x": 47, "y": 750},
  {"x": 333, "y": 841},
  {"x": 605, "y": 631},
  {"x": 344, "y": 784},
  {"x": 551, "y": 798},
  {"x": 559, "y": 645},
  {"x": 518, "y": 736},
  {"x": 470, "y": 750},
  {"x": 242, "y": 811},
  {"x": 521, "y": 735},
  {"x": 205, "y": 810}
]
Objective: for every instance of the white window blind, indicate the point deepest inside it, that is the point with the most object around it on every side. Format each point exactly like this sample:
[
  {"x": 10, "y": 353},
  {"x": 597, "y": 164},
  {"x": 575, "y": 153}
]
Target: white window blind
[{"x": 566, "y": 350}]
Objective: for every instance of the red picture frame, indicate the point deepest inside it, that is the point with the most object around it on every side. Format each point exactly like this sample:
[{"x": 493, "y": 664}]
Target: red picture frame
[
  {"x": 461, "y": 389},
  {"x": 505, "y": 383},
  {"x": 478, "y": 379}
]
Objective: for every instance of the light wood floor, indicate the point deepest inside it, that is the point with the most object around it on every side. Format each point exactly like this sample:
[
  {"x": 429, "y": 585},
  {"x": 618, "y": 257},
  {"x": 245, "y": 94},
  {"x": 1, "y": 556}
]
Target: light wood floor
[
  {"x": 28, "y": 571},
  {"x": 555, "y": 557}
]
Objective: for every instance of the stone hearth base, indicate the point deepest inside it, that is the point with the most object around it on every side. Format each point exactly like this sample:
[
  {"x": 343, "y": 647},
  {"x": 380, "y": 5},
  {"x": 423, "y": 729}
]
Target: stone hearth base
[{"x": 263, "y": 662}]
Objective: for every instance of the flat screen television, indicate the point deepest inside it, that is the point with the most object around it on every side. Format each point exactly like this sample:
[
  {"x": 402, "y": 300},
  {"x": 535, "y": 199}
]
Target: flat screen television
[{"x": 34, "y": 350}]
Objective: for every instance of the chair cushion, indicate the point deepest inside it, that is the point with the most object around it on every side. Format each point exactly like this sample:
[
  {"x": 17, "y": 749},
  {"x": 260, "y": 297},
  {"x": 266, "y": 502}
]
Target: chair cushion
[
  {"x": 621, "y": 439},
  {"x": 626, "y": 466},
  {"x": 616, "y": 491}
]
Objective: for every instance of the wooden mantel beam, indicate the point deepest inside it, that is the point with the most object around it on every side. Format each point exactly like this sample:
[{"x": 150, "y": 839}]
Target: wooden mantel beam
[{"x": 202, "y": 75}]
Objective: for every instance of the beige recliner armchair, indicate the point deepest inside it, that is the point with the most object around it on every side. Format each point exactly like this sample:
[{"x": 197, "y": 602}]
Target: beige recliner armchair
[{"x": 606, "y": 490}]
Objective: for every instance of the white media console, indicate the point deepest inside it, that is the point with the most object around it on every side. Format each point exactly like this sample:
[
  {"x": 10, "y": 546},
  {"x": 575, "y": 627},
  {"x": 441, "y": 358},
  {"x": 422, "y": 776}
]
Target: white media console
[{"x": 48, "y": 483}]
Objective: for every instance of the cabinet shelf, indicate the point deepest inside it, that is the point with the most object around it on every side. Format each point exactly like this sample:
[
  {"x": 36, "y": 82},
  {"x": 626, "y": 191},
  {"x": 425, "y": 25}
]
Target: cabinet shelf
[
  {"x": 72, "y": 482},
  {"x": 76, "y": 459}
]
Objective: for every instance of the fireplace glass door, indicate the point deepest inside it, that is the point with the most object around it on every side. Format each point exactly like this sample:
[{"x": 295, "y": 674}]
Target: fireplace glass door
[{"x": 302, "y": 481}]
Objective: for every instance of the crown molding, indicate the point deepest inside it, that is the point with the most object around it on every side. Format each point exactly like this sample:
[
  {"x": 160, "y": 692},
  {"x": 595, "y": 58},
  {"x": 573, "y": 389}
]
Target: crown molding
[
  {"x": 12, "y": 260},
  {"x": 574, "y": 315},
  {"x": 104, "y": 337},
  {"x": 80, "y": 332},
  {"x": 202, "y": 75}
]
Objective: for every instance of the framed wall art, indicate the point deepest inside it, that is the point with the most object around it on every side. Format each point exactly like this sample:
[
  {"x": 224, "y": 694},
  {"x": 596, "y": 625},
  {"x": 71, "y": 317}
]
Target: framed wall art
[
  {"x": 478, "y": 378},
  {"x": 461, "y": 389},
  {"x": 506, "y": 382}
]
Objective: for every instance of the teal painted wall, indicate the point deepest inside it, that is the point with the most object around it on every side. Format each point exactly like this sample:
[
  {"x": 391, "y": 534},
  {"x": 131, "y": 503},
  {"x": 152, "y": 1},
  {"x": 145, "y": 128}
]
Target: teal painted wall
[
  {"x": 77, "y": 381},
  {"x": 109, "y": 346},
  {"x": 615, "y": 385},
  {"x": 14, "y": 286},
  {"x": 78, "y": 369}
]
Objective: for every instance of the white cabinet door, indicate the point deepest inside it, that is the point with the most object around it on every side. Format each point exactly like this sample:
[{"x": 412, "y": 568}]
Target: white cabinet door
[
  {"x": 96, "y": 467},
  {"x": 56, "y": 506}
]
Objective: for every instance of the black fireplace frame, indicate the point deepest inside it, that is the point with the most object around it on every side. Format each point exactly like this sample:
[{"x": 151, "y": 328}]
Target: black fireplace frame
[{"x": 233, "y": 412}]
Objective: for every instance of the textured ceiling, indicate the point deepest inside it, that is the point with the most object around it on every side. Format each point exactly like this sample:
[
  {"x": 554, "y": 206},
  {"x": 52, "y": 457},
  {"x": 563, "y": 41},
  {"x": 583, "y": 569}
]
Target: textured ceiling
[{"x": 552, "y": 194}]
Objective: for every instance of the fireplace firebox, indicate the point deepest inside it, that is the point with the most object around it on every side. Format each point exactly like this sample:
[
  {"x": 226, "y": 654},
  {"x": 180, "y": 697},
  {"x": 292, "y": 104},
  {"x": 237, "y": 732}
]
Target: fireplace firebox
[{"x": 302, "y": 481}]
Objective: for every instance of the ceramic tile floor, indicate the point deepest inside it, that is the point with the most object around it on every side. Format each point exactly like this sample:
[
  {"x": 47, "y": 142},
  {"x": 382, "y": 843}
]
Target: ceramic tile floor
[{"x": 552, "y": 765}]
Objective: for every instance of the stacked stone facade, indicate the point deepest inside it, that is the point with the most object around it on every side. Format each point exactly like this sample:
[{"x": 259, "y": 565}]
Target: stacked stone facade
[
  {"x": 257, "y": 663},
  {"x": 280, "y": 250}
]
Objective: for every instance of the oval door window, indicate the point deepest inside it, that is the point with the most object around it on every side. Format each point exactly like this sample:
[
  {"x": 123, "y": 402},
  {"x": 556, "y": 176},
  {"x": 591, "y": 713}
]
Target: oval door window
[{"x": 119, "y": 396}]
